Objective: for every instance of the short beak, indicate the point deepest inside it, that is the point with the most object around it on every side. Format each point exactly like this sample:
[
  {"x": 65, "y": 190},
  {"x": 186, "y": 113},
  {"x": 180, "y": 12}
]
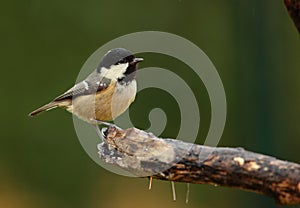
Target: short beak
[{"x": 137, "y": 60}]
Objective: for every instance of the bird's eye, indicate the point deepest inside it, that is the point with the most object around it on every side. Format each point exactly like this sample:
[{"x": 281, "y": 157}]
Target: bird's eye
[{"x": 122, "y": 61}]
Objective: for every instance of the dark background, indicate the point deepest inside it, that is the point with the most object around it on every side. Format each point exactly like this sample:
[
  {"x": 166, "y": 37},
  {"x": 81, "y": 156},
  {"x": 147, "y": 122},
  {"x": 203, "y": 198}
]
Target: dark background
[{"x": 253, "y": 44}]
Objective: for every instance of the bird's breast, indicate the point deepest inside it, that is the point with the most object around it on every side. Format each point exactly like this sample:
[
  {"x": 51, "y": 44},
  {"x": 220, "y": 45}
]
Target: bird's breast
[{"x": 107, "y": 104}]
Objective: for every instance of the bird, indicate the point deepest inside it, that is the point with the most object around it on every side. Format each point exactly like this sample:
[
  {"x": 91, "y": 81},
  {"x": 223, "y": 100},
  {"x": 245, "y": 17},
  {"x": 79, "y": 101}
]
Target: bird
[{"x": 104, "y": 94}]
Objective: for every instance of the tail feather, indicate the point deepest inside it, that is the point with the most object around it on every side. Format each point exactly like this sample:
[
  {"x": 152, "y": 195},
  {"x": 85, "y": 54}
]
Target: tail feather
[{"x": 46, "y": 107}]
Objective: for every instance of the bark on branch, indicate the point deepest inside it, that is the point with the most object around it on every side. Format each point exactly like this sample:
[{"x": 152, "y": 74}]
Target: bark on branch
[{"x": 143, "y": 154}]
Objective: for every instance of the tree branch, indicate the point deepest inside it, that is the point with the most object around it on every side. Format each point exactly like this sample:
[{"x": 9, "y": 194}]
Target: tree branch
[
  {"x": 143, "y": 154},
  {"x": 293, "y": 7}
]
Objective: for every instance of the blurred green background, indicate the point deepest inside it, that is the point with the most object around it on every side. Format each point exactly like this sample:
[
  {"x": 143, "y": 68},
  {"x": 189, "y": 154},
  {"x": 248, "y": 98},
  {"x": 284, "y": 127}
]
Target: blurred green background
[{"x": 253, "y": 44}]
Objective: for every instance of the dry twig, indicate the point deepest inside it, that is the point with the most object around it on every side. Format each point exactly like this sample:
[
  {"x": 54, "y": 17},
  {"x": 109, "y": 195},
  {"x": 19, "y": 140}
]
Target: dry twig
[
  {"x": 293, "y": 7},
  {"x": 143, "y": 154}
]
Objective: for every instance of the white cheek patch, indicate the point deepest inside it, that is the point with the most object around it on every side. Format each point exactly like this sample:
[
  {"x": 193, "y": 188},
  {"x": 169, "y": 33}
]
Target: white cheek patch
[{"x": 115, "y": 72}]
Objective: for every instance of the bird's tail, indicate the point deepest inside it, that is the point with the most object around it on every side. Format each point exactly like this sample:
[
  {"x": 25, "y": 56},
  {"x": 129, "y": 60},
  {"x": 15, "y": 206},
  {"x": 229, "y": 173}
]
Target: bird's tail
[{"x": 46, "y": 107}]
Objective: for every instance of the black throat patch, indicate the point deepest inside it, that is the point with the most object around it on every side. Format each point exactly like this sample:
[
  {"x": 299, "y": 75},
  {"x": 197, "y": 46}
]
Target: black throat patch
[{"x": 130, "y": 74}]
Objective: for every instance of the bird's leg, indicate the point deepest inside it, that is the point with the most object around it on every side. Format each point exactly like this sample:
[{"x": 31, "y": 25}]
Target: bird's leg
[{"x": 106, "y": 124}]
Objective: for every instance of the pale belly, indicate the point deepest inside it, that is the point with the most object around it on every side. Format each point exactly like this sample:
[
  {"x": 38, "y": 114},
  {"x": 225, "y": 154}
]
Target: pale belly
[{"x": 105, "y": 105}]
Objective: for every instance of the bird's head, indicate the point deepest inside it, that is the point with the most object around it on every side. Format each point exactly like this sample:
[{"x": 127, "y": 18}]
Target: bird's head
[{"x": 118, "y": 64}]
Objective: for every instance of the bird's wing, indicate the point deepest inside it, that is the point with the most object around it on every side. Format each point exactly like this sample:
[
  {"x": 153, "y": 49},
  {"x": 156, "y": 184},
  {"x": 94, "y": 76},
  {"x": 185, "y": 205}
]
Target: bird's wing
[{"x": 86, "y": 87}]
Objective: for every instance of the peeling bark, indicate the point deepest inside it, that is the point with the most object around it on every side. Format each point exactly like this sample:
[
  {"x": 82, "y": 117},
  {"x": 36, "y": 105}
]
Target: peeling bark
[{"x": 142, "y": 154}]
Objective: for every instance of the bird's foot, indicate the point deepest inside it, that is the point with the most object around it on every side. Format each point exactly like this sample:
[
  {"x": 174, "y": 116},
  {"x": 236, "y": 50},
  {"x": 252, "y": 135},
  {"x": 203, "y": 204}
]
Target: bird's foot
[{"x": 100, "y": 133}]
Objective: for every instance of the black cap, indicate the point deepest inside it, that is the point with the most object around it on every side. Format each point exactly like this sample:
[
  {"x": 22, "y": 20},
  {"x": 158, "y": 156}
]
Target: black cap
[{"x": 113, "y": 56}]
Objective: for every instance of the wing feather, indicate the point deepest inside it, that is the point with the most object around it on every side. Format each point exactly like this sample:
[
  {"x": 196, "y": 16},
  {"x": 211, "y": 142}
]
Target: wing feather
[{"x": 84, "y": 88}]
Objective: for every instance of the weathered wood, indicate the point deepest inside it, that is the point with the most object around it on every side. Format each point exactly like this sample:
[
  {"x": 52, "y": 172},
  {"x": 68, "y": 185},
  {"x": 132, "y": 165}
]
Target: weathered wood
[
  {"x": 293, "y": 7},
  {"x": 143, "y": 154}
]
